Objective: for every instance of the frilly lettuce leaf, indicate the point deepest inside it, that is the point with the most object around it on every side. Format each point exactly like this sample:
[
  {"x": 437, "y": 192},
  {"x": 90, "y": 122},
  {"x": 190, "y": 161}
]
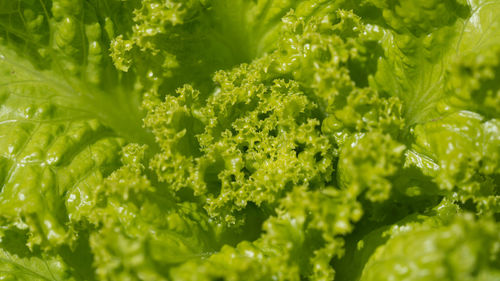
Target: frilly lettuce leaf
[
  {"x": 462, "y": 249},
  {"x": 467, "y": 158}
]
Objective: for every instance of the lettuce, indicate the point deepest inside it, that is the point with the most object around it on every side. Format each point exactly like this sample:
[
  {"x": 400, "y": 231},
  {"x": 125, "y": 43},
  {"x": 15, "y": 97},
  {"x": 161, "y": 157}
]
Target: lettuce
[{"x": 249, "y": 140}]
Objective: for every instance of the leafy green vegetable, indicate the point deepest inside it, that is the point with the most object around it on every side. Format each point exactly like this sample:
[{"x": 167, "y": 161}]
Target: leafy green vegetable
[
  {"x": 249, "y": 140},
  {"x": 461, "y": 249}
]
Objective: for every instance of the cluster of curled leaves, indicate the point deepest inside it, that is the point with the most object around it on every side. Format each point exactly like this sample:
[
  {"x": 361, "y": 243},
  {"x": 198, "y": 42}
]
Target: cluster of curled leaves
[{"x": 250, "y": 140}]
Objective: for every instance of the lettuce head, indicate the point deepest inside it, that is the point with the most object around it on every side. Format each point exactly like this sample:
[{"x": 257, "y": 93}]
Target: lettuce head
[{"x": 354, "y": 140}]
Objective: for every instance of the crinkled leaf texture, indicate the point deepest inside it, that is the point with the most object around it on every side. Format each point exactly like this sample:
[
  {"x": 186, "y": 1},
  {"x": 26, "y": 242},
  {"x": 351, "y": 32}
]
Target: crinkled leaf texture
[
  {"x": 33, "y": 268},
  {"x": 249, "y": 140}
]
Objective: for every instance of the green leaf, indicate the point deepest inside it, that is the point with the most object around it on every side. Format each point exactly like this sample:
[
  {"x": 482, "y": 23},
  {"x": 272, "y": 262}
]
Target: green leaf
[
  {"x": 483, "y": 18},
  {"x": 473, "y": 76},
  {"x": 52, "y": 153},
  {"x": 467, "y": 157},
  {"x": 33, "y": 268},
  {"x": 462, "y": 249}
]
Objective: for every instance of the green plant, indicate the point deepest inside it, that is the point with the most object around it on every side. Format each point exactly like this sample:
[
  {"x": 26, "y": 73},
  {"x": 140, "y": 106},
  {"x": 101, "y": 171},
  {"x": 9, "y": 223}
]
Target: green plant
[{"x": 249, "y": 140}]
